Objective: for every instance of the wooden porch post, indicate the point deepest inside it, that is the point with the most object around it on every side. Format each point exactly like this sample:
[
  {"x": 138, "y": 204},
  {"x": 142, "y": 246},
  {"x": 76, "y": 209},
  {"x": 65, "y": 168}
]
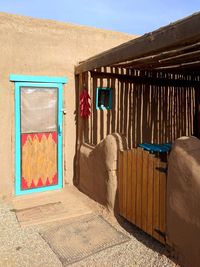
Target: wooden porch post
[
  {"x": 80, "y": 83},
  {"x": 79, "y": 128}
]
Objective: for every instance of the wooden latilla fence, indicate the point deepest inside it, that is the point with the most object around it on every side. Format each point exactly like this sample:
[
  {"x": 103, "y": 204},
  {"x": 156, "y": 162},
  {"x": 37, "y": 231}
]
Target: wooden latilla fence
[
  {"x": 150, "y": 110},
  {"x": 142, "y": 190}
]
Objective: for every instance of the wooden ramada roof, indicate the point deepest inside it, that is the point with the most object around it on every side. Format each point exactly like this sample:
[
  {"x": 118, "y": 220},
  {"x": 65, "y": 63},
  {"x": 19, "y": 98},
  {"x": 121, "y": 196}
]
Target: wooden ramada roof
[{"x": 170, "y": 48}]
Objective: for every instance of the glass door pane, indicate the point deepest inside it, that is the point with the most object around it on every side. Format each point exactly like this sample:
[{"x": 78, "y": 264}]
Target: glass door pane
[{"x": 38, "y": 110}]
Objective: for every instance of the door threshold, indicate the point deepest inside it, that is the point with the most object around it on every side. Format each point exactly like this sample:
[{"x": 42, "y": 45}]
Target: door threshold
[{"x": 36, "y": 199}]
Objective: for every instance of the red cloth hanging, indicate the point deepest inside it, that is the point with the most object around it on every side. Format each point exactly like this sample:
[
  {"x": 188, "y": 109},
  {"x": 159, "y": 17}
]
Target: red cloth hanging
[{"x": 84, "y": 104}]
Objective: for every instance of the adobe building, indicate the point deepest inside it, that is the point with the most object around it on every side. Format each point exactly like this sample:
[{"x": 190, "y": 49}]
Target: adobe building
[
  {"x": 106, "y": 123},
  {"x": 38, "y": 54}
]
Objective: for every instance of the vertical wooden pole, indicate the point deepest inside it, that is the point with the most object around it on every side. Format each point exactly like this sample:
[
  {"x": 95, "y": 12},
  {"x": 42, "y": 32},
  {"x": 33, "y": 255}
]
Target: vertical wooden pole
[
  {"x": 85, "y": 122},
  {"x": 79, "y": 128}
]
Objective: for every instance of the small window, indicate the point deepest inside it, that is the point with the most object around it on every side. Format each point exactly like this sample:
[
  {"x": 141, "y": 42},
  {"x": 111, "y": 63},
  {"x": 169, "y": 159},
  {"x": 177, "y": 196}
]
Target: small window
[{"x": 104, "y": 98}]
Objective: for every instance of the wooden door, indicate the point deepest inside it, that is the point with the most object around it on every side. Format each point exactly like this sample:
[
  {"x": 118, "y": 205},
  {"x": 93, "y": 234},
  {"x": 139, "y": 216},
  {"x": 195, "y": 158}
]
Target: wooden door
[{"x": 38, "y": 137}]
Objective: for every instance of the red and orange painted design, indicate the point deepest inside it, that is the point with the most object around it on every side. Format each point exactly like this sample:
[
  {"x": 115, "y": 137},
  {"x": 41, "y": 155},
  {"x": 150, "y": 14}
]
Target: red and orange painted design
[{"x": 39, "y": 160}]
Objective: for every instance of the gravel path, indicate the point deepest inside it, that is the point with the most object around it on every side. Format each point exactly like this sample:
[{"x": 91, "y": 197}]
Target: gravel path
[
  {"x": 141, "y": 250},
  {"x": 24, "y": 247}
]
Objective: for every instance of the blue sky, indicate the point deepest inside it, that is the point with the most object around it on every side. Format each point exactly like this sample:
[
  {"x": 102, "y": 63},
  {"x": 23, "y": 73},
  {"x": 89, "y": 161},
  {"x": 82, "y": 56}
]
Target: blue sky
[{"x": 137, "y": 17}]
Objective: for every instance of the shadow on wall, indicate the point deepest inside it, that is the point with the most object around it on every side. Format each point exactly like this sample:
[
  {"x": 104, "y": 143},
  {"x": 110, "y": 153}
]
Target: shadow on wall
[
  {"x": 98, "y": 169},
  {"x": 183, "y": 200},
  {"x": 142, "y": 112}
]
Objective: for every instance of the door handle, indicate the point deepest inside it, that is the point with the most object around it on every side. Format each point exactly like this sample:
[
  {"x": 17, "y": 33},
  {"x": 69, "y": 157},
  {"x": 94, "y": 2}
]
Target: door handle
[{"x": 64, "y": 111}]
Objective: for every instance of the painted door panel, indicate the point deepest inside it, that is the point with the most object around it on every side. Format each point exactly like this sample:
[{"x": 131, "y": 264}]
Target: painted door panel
[
  {"x": 39, "y": 160},
  {"x": 38, "y": 141}
]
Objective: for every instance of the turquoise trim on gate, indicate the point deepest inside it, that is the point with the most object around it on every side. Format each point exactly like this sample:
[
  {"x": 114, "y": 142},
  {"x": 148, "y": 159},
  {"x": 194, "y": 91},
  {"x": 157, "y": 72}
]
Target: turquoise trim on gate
[
  {"x": 43, "y": 79},
  {"x": 102, "y": 107},
  {"x": 43, "y": 84},
  {"x": 161, "y": 148}
]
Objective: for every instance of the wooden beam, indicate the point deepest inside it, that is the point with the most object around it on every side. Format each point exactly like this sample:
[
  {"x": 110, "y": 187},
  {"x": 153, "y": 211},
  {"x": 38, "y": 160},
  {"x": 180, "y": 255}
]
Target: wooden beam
[
  {"x": 186, "y": 58},
  {"x": 182, "y": 32},
  {"x": 155, "y": 59},
  {"x": 185, "y": 72},
  {"x": 190, "y": 65},
  {"x": 145, "y": 80}
]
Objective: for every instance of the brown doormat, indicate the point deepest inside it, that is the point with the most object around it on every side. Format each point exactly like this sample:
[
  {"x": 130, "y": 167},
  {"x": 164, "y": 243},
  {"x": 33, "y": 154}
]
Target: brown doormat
[
  {"x": 48, "y": 213},
  {"x": 75, "y": 241}
]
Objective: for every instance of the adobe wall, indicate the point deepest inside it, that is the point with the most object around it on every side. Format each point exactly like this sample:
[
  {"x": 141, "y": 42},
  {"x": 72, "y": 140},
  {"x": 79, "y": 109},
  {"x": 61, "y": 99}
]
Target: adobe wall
[
  {"x": 183, "y": 200},
  {"x": 98, "y": 170},
  {"x": 42, "y": 47}
]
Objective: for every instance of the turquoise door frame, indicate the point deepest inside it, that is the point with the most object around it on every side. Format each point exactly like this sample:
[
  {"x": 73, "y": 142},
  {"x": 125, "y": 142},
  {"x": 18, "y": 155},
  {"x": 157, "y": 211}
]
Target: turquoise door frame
[{"x": 44, "y": 82}]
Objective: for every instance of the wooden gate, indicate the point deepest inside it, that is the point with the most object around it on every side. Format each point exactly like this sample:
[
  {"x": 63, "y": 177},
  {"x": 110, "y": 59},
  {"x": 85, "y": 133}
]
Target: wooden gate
[{"x": 142, "y": 190}]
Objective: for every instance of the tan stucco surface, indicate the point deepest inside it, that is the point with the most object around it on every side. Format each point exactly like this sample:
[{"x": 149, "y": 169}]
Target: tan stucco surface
[
  {"x": 98, "y": 169},
  {"x": 42, "y": 47},
  {"x": 183, "y": 201}
]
